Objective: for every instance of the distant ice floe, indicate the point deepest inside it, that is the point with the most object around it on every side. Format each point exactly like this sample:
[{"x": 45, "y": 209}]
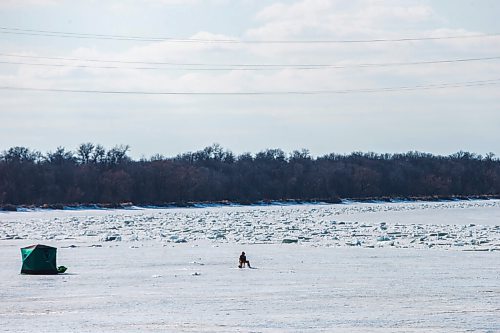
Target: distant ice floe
[{"x": 316, "y": 225}]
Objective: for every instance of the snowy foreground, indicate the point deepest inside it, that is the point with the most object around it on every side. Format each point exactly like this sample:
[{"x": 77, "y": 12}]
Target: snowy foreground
[{"x": 399, "y": 267}]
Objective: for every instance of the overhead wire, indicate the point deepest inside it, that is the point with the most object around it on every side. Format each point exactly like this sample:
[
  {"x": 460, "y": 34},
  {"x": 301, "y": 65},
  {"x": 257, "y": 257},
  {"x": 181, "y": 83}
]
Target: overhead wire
[
  {"x": 225, "y": 67},
  {"x": 258, "y": 93},
  {"x": 61, "y": 34},
  {"x": 206, "y": 66}
]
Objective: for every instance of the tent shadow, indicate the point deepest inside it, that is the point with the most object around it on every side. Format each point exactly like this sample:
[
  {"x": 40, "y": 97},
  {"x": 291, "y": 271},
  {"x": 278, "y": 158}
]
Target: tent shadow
[{"x": 60, "y": 274}]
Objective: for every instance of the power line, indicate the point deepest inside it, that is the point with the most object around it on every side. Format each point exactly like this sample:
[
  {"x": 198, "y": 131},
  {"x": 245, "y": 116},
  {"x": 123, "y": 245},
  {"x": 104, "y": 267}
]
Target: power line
[
  {"x": 225, "y": 67},
  {"x": 61, "y": 34},
  {"x": 123, "y": 61},
  {"x": 257, "y": 93}
]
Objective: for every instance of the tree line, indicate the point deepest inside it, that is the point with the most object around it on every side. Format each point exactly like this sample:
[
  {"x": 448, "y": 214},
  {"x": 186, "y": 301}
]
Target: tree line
[{"x": 94, "y": 175}]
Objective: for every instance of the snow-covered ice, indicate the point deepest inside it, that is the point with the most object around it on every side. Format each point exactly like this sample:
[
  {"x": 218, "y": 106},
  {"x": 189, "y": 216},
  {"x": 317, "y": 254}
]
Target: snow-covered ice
[
  {"x": 356, "y": 267},
  {"x": 463, "y": 225}
]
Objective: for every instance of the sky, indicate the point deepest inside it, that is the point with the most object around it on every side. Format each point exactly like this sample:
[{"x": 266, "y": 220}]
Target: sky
[{"x": 260, "y": 90}]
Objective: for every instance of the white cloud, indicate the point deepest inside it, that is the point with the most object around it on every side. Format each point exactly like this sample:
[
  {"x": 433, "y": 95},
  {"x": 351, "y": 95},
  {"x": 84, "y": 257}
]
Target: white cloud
[
  {"x": 26, "y": 3},
  {"x": 131, "y": 5},
  {"x": 320, "y": 18}
]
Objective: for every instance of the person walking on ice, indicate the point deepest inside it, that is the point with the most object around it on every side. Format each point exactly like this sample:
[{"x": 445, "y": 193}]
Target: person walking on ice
[{"x": 244, "y": 261}]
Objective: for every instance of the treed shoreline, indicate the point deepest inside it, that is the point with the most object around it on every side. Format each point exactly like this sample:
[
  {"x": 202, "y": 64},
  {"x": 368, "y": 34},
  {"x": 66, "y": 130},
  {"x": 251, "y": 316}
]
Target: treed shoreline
[
  {"x": 203, "y": 204},
  {"x": 95, "y": 177}
]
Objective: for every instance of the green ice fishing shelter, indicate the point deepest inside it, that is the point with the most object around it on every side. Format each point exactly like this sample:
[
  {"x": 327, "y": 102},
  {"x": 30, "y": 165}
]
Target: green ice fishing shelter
[{"x": 39, "y": 259}]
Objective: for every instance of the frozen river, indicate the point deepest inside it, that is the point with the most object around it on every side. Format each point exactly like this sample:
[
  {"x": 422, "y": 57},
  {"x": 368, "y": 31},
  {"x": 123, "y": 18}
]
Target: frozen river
[
  {"x": 402, "y": 267},
  {"x": 461, "y": 225}
]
